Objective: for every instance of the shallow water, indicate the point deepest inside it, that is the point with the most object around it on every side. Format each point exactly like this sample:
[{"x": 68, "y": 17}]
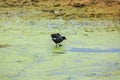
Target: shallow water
[
  {"x": 90, "y": 50},
  {"x": 28, "y": 53}
]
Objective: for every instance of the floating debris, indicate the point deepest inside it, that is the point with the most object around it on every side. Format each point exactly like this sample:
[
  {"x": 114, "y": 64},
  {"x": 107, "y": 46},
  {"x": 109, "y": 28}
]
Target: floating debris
[{"x": 4, "y": 45}]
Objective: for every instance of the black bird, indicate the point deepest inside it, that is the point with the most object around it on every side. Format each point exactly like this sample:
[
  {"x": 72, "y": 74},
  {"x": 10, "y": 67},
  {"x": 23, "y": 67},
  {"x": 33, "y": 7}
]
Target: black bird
[{"x": 57, "y": 38}]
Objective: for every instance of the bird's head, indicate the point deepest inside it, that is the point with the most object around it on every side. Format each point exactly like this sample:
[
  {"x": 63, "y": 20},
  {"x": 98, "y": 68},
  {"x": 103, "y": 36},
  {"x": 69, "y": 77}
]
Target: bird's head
[{"x": 64, "y": 37}]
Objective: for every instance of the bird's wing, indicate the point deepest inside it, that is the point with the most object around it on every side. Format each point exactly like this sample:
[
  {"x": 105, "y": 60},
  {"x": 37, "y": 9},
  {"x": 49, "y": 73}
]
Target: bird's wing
[
  {"x": 58, "y": 34},
  {"x": 55, "y": 35}
]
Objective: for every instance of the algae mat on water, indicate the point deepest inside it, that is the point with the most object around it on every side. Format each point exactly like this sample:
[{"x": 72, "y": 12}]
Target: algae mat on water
[{"x": 91, "y": 51}]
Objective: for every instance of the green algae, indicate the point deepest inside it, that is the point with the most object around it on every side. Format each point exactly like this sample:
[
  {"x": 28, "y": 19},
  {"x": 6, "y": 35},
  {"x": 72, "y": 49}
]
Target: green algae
[{"x": 33, "y": 56}]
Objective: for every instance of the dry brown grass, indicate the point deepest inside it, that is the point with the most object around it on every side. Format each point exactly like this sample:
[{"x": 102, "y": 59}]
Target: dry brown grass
[
  {"x": 66, "y": 9},
  {"x": 21, "y": 3}
]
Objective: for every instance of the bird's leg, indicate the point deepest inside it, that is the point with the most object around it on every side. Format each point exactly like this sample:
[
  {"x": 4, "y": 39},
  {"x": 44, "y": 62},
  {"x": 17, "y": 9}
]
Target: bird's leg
[
  {"x": 56, "y": 45},
  {"x": 59, "y": 44}
]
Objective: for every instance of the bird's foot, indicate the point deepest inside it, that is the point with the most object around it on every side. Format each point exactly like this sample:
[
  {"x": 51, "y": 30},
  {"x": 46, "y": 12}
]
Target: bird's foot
[{"x": 59, "y": 44}]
